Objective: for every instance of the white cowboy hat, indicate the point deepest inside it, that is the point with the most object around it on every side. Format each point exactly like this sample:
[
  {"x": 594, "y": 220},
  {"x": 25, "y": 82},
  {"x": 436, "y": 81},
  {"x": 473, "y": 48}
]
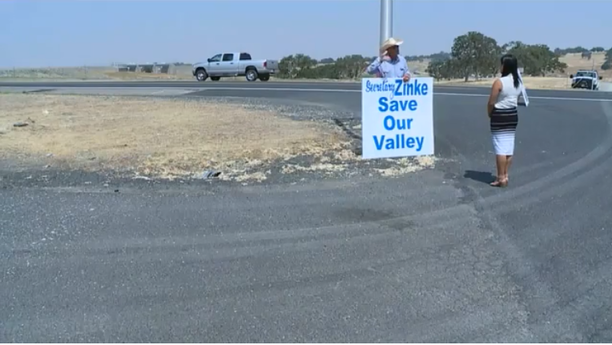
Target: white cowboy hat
[{"x": 390, "y": 43}]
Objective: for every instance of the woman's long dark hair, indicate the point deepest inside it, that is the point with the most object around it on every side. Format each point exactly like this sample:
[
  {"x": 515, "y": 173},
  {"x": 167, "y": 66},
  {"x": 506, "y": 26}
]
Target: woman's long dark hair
[{"x": 510, "y": 66}]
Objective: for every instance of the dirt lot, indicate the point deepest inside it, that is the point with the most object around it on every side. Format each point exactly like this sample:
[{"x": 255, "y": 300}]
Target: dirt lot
[{"x": 155, "y": 137}]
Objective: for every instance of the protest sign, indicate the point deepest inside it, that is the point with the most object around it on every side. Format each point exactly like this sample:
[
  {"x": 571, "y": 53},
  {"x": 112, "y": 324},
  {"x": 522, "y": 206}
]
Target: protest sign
[{"x": 397, "y": 117}]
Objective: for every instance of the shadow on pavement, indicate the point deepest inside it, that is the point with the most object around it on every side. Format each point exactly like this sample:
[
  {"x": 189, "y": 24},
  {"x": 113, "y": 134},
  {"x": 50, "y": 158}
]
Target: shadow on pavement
[{"x": 480, "y": 176}]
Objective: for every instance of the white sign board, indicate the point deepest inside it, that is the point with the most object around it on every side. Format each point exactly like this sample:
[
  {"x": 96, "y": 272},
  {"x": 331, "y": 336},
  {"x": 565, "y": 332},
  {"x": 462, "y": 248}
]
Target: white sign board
[
  {"x": 525, "y": 98},
  {"x": 523, "y": 89},
  {"x": 397, "y": 117}
]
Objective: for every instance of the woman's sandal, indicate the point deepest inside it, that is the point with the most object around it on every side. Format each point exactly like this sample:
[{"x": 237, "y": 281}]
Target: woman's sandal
[{"x": 499, "y": 183}]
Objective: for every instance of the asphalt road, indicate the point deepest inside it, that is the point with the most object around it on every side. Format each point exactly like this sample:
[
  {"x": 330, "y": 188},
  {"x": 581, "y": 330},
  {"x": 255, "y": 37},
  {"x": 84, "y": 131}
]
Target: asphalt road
[
  {"x": 301, "y": 86},
  {"x": 437, "y": 256}
]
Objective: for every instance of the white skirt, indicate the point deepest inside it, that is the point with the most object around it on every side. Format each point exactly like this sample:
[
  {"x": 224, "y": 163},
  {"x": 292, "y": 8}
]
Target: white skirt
[
  {"x": 503, "y": 129},
  {"x": 503, "y": 143}
]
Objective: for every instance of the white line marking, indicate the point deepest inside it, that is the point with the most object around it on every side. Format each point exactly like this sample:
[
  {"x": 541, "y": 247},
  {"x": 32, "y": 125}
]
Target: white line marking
[
  {"x": 530, "y": 97},
  {"x": 573, "y": 99},
  {"x": 435, "y": 93},
  {"x": 577, "y": 91},
  {"x": 277, "y": 89}
]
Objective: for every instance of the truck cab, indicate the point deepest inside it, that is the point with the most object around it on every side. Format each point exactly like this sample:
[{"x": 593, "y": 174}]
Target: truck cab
[
  {"x": 586, "y": 79},
  {"x": 234, "y": 64}
]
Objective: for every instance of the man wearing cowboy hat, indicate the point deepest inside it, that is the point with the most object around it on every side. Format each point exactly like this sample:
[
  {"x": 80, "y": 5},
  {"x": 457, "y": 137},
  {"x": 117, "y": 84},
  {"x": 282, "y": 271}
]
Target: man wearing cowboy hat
[{"x": 390, "y": 64}]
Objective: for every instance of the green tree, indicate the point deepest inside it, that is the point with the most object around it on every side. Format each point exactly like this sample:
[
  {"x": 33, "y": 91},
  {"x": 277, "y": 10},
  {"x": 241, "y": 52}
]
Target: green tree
[
  {"x": 287, "y": 67},
  {"x": 444, "y": 69},
  {"x": 330, "y": 71},
  {"x": 536, "y": 59},
  {"x": 295, "y": 66},
  {"x": 474, "y": 54},
  {"x": 598, "y": 49},
  {"x": 607, "y": 65},
  {"x": 303, "y": 66},
  {"x": 574, "y": 50},
  {"x": 435, "y": 69},
  {"x": 351, "y": 66},
  {"x": 443, "y": 56}
]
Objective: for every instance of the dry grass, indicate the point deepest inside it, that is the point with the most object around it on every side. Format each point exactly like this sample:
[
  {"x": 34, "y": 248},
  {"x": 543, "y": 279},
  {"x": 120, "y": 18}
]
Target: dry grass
[
  {"x": 155, "y": 137},
  {"x": 93, "y": 73},
  {"x": 57, "y": 73},
  {"x": 404, "y": 166},
  {"x": 419, "y": 67},
  {"x": 530, "y": 82},
  {"x": 575, "y": 62},
  {"x": 146, "y": 76}
]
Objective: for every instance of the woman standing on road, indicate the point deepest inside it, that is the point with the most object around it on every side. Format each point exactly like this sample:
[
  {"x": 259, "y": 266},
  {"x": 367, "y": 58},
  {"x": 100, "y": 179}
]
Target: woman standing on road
[{"x": 503, "y": 114}]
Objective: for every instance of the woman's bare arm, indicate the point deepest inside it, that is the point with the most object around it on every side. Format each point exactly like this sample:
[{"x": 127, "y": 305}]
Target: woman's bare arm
[{"x": 495, "y": 89}]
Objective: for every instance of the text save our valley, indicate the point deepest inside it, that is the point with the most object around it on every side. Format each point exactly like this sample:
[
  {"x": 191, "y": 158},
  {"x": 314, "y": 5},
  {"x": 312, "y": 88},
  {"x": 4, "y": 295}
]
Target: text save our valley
[{"x": 395, "y": 108}]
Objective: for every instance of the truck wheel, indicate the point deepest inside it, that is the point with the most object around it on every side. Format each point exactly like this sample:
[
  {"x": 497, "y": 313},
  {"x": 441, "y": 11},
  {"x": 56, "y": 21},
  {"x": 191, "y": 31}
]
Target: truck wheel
[
  {"x": 215, "y": 78},
  {"x": 201, "y": 75},
  {"x": 251, "y": 75},
  {"x": 264, "y": 77}
]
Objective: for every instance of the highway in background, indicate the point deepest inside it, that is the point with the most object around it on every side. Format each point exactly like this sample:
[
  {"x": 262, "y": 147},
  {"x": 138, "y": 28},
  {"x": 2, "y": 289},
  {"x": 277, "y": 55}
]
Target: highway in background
[{"x": 289, "y": 85}]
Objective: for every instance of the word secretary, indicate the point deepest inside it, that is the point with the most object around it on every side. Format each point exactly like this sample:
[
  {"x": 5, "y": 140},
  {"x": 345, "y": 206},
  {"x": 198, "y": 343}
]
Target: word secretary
[{"x": 398, "y": 87}]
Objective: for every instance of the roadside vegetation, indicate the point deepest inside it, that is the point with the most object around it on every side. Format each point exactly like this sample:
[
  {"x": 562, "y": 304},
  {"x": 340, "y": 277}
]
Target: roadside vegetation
[{"x": 473, "y": 56}]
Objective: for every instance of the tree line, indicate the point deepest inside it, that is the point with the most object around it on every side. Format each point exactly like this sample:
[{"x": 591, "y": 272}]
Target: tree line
[
  {"x": 473, "y": 55},
  {"x": 607, "y": 65},
  {"x": 579, "y": 49}
]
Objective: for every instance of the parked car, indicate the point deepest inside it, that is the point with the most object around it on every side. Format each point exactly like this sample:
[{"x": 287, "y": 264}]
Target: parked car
[
  {"x": 233, "y": 65},
  {"x": 586, "y": 79}
]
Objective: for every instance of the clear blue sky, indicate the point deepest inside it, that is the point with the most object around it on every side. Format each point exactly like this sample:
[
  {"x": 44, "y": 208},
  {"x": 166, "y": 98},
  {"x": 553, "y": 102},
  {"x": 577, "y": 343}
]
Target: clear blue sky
[{"x": 71, "y": 33}]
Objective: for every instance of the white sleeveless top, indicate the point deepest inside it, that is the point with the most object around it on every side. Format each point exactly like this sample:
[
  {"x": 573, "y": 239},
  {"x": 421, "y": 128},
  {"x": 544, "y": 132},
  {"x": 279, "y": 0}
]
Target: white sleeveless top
[{"x": 509, "y": 95}]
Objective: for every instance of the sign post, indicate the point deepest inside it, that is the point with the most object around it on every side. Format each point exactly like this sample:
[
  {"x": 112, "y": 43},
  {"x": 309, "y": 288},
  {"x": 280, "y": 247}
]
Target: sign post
[
  {"x": 386, "y": 20},
  {"x": 397, "y": 117}
]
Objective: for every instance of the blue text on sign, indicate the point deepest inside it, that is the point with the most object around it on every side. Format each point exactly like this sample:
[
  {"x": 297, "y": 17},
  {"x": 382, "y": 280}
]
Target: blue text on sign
[
  {"x": 386, "y": 105},
  {"x": 399, "y": 142},
  {"x": 411, "y": 88},
  {"x": 397, "y": 117},
  {"x": 392, "y": 123}
]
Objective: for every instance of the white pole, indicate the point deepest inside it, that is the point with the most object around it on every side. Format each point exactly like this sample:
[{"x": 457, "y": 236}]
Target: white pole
[{"x": 386, "y": 20}]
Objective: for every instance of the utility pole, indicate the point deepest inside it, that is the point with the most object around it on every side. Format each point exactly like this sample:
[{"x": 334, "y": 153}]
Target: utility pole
[{"x": 386, "y": 20}]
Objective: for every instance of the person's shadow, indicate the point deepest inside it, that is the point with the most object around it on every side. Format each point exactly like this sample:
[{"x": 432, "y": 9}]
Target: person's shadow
[{"x": 480, "y": 176}]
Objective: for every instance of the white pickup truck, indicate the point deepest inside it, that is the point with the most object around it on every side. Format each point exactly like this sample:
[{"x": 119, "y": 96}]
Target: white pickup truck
[
  {"x": 233, "y": 65},
  {"x": 586, "y": 79}
]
